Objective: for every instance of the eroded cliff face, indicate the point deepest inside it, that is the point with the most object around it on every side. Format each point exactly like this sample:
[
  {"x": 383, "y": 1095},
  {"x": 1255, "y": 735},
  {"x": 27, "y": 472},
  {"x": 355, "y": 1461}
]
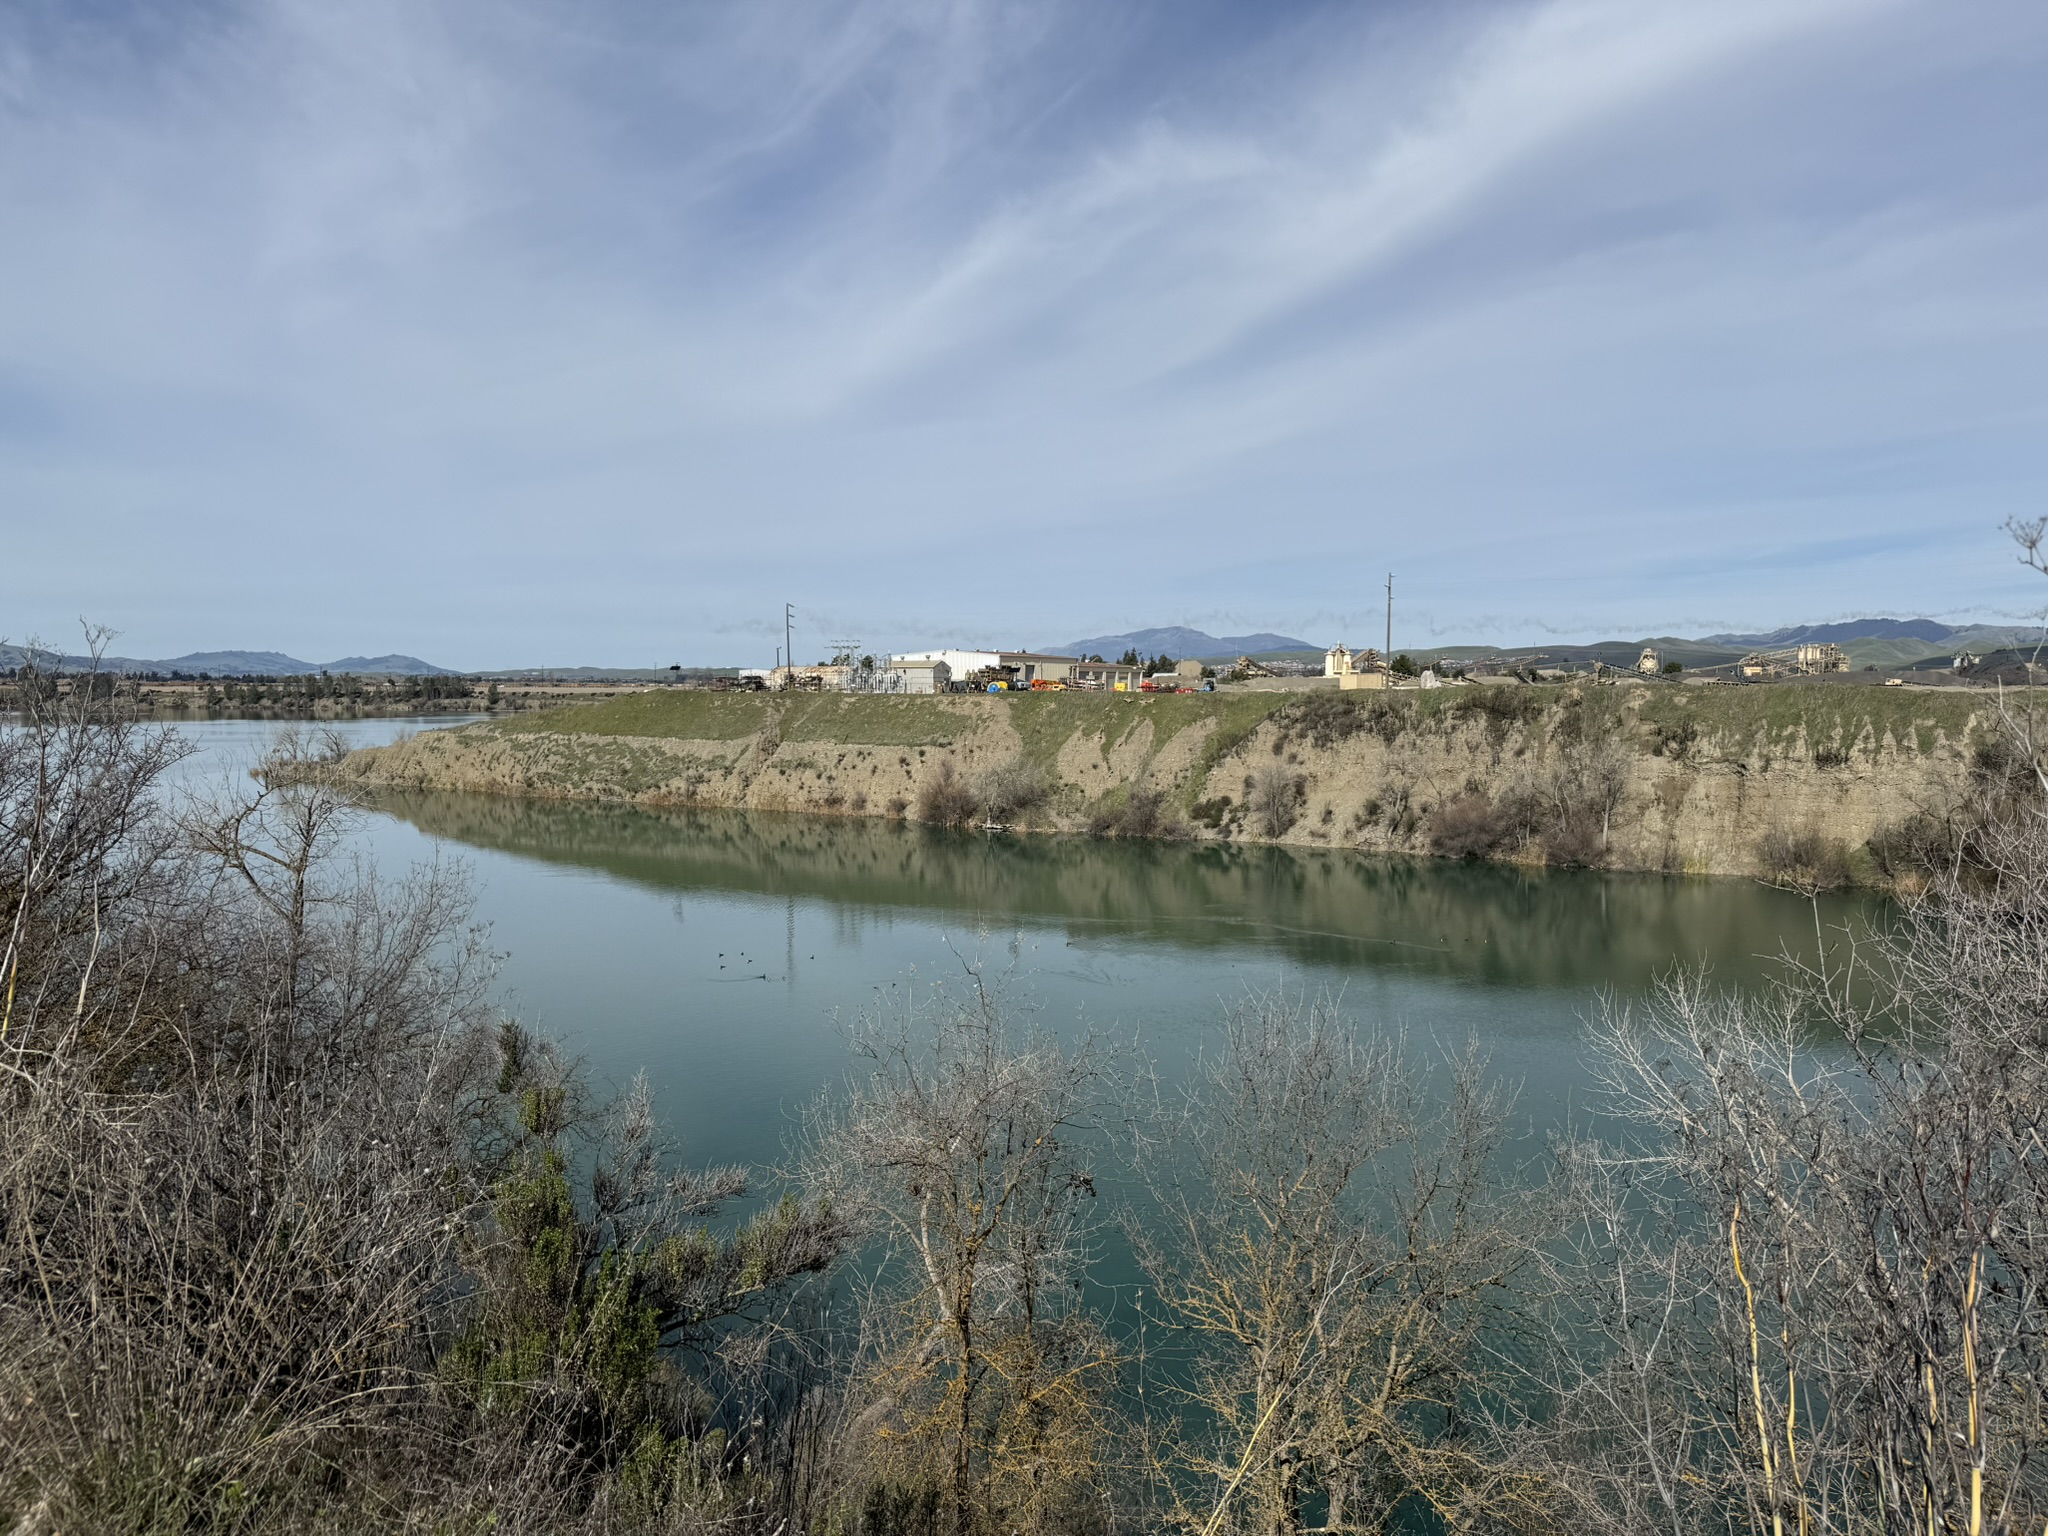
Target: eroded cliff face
[{"x": 1709, "y": 781}]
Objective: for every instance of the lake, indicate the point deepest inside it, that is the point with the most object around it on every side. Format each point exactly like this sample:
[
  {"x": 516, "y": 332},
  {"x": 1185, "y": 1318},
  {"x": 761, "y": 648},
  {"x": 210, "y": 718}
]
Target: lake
[{"x": 719, "y": 951}]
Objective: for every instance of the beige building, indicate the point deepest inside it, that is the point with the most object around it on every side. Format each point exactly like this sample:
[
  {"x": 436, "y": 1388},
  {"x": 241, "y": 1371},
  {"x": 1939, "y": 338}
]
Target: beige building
[
  {"x": 1354, "y": 669},
  {"x": 906, "y": 676},
  {"x": 1821, "y": 658}
]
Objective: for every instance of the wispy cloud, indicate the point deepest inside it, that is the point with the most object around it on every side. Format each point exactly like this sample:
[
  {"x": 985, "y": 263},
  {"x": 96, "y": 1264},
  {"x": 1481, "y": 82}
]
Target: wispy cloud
[{"x": 472, "y": 328}]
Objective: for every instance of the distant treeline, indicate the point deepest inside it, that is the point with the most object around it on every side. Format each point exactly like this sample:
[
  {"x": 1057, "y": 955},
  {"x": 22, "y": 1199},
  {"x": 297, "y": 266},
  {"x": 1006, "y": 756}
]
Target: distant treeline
[{"x": 308, "y": 697}]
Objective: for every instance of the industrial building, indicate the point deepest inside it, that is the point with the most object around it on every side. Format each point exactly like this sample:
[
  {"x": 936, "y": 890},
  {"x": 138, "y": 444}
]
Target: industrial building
[
  {"x": 1809, "y": 660},
  {"x": 1024, "y": 669}
]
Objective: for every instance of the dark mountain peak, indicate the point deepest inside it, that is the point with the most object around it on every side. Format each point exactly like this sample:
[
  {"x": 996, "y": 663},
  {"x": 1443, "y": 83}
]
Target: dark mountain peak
[
  {"x": 410, "y": 666},
  {"x": 1184, "y": 643},
  {"x": 232, "y": 664},
  {"x": 1929, "y": 630}
]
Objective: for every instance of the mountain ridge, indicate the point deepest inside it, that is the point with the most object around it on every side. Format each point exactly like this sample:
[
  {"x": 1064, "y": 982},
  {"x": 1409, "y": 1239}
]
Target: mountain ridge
[
  {"x": 1179, "y": 641},
  {"x": 233, "y": 664},
  {"x": 1931, "y": 630}
]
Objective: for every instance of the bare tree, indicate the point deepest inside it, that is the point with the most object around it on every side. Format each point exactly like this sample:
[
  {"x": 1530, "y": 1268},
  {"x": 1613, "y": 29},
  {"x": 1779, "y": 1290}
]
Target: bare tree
[
  {"x": 1335, "y": 1238},
  {"x": 1825, "y": 1238},
  {"x": 966, "y": 1148}
]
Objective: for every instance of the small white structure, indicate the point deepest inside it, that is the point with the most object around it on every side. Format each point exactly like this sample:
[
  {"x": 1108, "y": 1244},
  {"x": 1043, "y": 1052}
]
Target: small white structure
[
  {"x": 1649, "y": 663},
  {"x": 907, "y": 675}
]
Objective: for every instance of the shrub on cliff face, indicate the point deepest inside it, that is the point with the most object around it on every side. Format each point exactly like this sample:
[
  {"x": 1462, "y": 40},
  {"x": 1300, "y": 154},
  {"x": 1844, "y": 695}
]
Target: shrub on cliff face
[
  {"x": 1469, "y": 826},
  {"x": 1329, "y": 718},
  {"x": 1146, "y": 814},
  {"x": 947, "y": 800},
  {"x": 1575, "y": 840},
  {"x": 1912, "y": 850},
  {"x": 1806, "y": 860},
  {"x": 1010, "y": 789},
  {"x": 1496, "y": 703},
  {"x": 1551, "y": 812},
  {"x": 1964, "y": 843},
  {"x": 1143, "y": 813},
  {"x": 1274, "y": 799}
]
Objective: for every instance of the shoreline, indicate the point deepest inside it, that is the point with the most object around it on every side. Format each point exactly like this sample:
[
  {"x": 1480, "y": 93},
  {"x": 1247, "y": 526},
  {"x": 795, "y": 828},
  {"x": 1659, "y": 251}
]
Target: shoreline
[{"x": 1779, "y": 782}]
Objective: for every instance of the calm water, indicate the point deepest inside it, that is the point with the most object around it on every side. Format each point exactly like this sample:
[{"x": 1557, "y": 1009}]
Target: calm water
[{"x": 718, "y": 950}]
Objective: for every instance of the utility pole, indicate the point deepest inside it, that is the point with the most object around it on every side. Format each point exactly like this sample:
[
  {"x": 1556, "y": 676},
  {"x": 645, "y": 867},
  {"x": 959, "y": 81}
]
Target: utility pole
[
  {"x": 1389, "y": 661},
  {"x": 789, "y": 650}
]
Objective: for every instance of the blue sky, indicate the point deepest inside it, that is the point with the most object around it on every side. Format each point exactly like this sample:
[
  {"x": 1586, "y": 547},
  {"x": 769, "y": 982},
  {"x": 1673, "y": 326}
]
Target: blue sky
[{"x": 558, "y": 331}]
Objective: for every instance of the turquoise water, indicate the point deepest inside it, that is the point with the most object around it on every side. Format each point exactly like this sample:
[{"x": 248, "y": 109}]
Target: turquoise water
[{"x": 722, "y": 952}]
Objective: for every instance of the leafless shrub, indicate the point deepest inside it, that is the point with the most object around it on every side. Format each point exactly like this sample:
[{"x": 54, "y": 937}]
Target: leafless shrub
[
  {"x": 1566, "y": 809},
  {"x": 965, "y": 1148},
  {"x": 1141, "y": 813},
  {"x": 1805, "y": 860},
  {"x": 1334, "y": 1238},
  {"x": 1325, "y": 719},
  {"x": 946, "y": 799},
  {"x": 1471, "y": 826},
  {"x": 1274, "y": 799},
  {"x": 288, "y": 1233},
  {"x": 1911, "y": 851},
  {"x": 1012, "y": 789},
  {"x": 235, "y": 1084},
  {"x": 1817, "y": 1271},
  {"x": 1500, "y": 710}
]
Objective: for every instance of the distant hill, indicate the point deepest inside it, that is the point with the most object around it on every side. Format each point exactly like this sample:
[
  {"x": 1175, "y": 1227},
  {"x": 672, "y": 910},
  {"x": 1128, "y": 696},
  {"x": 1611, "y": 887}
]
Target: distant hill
[
  {"x": 1890, "y": 643},
  {"x": 1182, "y": 644},
  {"x": 603, "y": 674},
  {"x": 1930, "y": 630},
  {"x": 234, "y": 664}
]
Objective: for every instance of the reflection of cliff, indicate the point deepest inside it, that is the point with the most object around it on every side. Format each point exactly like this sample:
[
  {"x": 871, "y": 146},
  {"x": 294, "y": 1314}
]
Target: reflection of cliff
[
  {"x": 1682, "y": 780},
  {"x": 1486, "y": 922}
]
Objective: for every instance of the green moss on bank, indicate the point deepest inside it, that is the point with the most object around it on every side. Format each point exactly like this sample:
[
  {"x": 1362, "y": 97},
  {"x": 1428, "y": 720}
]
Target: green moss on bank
[
  {"x": 1046, "y": 722},
  {"x": 1831, "y": 714},
  {"x": 689, "y": 715}
]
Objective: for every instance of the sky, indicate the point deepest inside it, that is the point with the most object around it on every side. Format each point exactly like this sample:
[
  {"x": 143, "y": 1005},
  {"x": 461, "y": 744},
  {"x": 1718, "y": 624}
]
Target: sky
[{"x": 523, "y": 332}]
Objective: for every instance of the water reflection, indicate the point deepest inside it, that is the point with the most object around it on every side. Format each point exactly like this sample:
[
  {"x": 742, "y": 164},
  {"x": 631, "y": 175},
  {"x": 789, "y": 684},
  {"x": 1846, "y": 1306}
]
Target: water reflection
[
  {"x": 1491, "y": 924},
  {"x": 715, "y": 949}
]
